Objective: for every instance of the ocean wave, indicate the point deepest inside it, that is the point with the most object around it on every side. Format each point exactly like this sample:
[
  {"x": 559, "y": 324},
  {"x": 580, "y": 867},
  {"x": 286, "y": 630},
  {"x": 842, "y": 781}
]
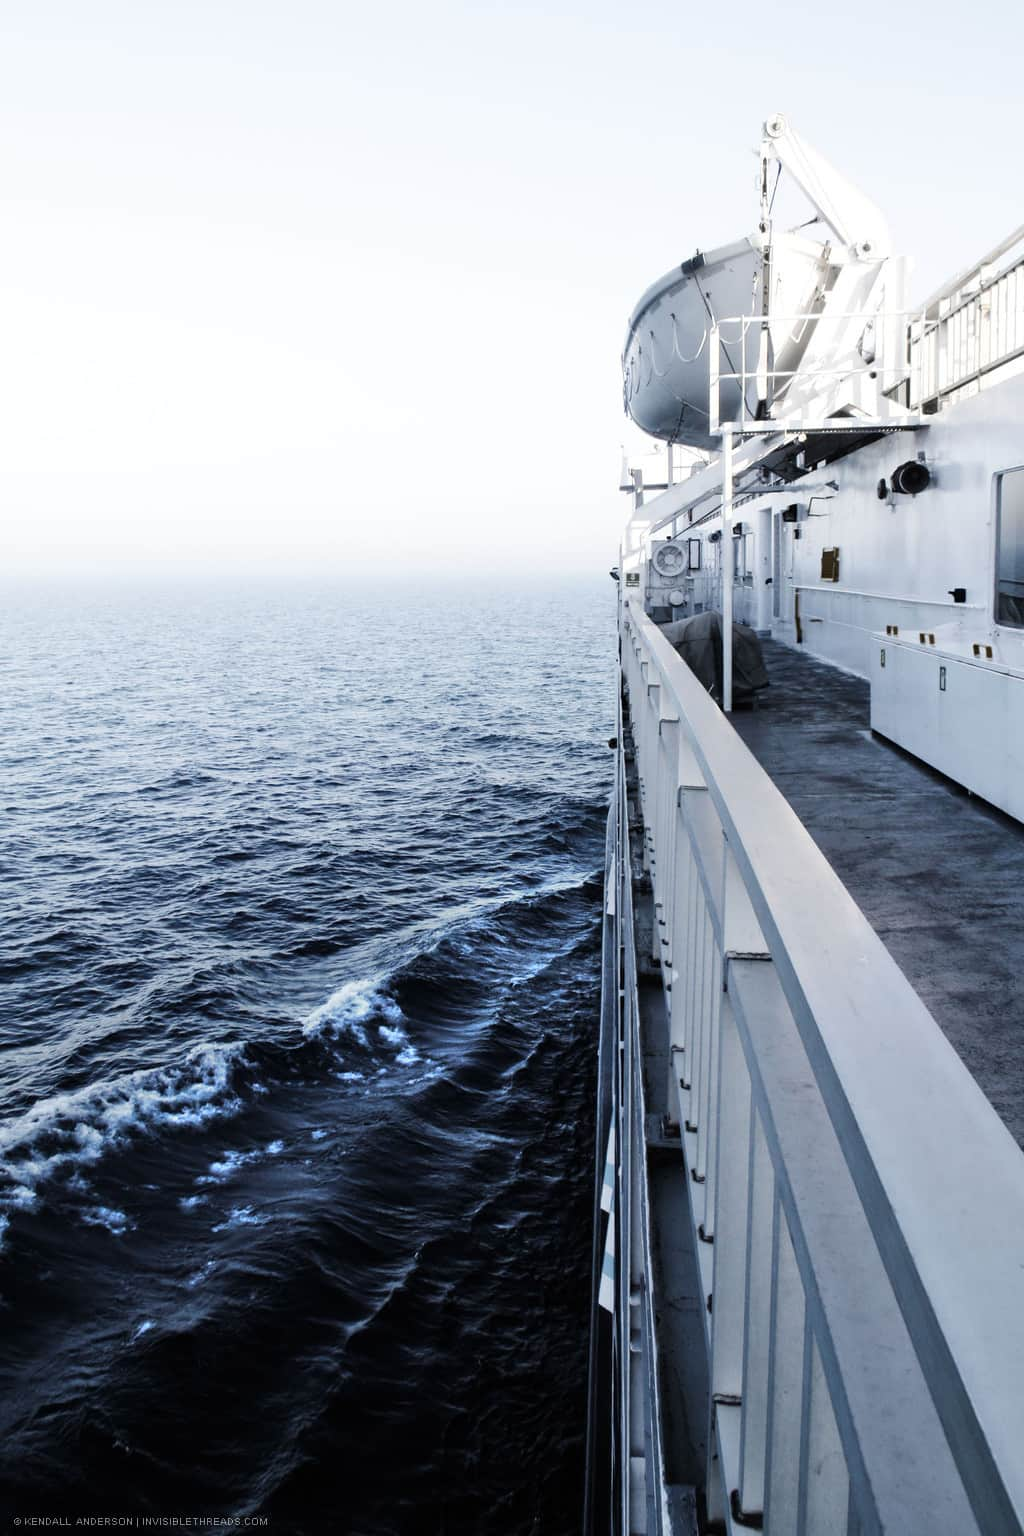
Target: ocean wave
[
  {"x": 60, "y": 1137},
  {"x": 362, "y": 1030},
  {"x": 319, "y": 848},
  {"x": 71, "y": 1131},
  {"x": 351, "y": 1008},
  {"x": 363, "y": 1011}
]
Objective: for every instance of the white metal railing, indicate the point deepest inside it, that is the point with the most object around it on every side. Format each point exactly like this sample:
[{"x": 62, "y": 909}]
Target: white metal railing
[
  {"x": 972, "y": 328},
  {"x": 907, "y": 360},
  {"x": 817, "y": 388},
  {"x": 623, "y": 1249},
  {"x": 860, "y": 1206}
]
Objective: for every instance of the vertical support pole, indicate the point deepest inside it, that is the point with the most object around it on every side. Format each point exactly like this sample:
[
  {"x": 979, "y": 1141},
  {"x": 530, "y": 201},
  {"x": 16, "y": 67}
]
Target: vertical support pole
[
  {"x": 728, "y": 561},
  {"x": 714, "y": 353}
]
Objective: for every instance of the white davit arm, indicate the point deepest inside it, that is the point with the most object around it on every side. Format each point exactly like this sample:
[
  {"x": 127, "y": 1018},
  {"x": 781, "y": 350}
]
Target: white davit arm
[{"x": 853, "y": 218}]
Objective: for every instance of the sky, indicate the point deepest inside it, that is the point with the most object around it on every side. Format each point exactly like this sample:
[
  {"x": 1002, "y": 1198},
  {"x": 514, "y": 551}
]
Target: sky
[{"x": 337, "y": 286}]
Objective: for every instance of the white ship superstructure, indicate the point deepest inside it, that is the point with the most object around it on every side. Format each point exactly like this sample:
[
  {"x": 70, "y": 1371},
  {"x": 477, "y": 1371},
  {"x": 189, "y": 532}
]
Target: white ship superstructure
[{"x": 811, "y": 1219}]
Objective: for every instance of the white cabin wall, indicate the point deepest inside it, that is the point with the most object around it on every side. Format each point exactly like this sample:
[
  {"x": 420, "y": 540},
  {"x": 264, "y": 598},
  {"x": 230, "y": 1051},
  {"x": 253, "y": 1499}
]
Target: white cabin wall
[{"x": 899, "y": 558}]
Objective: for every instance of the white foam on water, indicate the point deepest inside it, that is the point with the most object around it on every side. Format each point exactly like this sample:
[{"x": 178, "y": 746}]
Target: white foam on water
[
  {"x": 241, "y": 1216},
  {"x": 407, "y": 1052},
  {"x": 190, "y": 1202},
  {"x": 72, "y": 1131},
  {"x": 351, "y": 1011},
  {"x": 227, "y": 1166},
  {"x": 21, "y": 1198},
  {"x": 351, "y": 1008},
  {"x": 199, "y": 1275},
  {"x": 142, "y": 1328},
  {"x": 107, "y": 1216}
]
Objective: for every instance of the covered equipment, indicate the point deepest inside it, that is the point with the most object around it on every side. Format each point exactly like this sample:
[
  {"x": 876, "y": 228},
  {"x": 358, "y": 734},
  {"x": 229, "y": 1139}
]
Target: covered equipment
[{"x": 698, "y": 641}]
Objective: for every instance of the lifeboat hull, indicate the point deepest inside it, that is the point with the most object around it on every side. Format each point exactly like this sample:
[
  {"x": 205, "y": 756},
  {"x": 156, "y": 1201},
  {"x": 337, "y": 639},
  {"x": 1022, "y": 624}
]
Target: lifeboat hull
[{"x": 665, "y": 360}]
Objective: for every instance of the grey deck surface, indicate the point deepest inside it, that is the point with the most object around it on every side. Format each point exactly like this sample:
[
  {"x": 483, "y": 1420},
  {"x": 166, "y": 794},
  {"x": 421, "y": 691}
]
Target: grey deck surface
[{"x": 938, "y": 874}]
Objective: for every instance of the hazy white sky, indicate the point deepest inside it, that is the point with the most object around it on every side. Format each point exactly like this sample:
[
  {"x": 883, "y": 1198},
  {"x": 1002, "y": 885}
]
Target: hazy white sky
[{"x": 330, "y": 283}]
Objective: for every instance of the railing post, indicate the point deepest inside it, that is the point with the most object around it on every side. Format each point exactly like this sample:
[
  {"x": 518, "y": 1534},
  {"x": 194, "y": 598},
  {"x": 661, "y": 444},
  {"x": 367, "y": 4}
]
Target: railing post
[
  {"x": 714, "y": 364},
  {"x": 824, "y": 1480},
  {"x": 785, "y": 1384},
  {"x": 665, "y": 838},
  {"x": 729, "y": 1210},
  {"x": 690, "y": 782},
  {"x": 728, "y": 558},
  {"x": 757, "y": 1319}
]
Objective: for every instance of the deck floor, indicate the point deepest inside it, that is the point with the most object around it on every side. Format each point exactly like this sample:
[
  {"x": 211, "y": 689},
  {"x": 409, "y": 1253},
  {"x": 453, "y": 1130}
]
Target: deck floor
[{"x": 938, "y": 873}]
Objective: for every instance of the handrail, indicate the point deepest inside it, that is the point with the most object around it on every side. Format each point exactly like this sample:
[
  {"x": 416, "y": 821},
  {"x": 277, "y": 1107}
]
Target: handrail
[
  {"x": 765, "y": 937},
  {"x": 876, "y": 376},
  {"x": 922, "y": 355},
  {"x": 949, "y": 289}
]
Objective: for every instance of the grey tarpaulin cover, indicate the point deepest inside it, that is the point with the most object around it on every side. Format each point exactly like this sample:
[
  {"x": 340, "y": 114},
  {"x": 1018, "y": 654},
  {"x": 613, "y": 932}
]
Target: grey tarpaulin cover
[{"x": 699, "y": 643}]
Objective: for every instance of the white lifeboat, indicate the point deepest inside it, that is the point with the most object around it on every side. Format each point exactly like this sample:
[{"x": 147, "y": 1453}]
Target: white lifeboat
[
  {"x": 665, "y": 361},
  {"x": 793, "y": 312}
]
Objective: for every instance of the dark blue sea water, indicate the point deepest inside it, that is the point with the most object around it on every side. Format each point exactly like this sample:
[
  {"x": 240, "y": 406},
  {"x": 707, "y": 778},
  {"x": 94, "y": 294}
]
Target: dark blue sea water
[{"x": 298, "y": 966}]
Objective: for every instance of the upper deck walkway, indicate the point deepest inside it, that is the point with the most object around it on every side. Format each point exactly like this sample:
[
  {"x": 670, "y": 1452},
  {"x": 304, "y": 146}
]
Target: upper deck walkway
[{"x": 937, "y": 873}]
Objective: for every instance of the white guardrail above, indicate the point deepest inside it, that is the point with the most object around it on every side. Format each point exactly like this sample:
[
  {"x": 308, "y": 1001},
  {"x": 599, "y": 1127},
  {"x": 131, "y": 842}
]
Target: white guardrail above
[{"x": 866, "y": 1204}]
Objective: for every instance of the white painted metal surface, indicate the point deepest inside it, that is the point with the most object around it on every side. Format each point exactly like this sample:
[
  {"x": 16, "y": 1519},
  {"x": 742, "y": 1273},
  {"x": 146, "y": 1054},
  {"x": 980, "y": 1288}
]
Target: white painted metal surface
[
  {"x": 665, "y": 362},
  {"x": 842, "y": 374},
  {"x": 960, "y": 712},
  {"x": 903, "y": 558},
  {"x": 848, "y": 361},
  {"x": 805, "y": 300},
  {"x": 865, "y": 1205},
  {"x": 972, "y": 330},
  {"x": 625, "y": 1285}
]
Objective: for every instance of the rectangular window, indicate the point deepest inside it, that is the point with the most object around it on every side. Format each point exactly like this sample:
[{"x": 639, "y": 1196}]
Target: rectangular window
[{"x": 1010, "y": 548}]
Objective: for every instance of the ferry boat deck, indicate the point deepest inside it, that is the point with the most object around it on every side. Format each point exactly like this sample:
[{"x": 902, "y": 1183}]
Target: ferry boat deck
[
  {"x": 808, "y": 1191},
  {"x": 938, "y": 873}
]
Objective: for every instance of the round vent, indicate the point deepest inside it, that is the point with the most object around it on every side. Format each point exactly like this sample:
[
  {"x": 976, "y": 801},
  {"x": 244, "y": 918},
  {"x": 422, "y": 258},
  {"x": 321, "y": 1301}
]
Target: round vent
[{"x": 669, "y": 560}]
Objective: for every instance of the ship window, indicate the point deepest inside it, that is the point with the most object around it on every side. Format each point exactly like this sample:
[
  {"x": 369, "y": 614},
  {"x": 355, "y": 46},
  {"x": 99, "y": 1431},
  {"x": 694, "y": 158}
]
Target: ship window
[{"x": 1010, "y": 548}]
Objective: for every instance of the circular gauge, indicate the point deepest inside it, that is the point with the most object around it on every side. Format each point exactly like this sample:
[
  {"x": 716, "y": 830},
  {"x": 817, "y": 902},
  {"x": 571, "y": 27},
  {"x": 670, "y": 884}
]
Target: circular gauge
[{"x": 677, "y": 598}]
